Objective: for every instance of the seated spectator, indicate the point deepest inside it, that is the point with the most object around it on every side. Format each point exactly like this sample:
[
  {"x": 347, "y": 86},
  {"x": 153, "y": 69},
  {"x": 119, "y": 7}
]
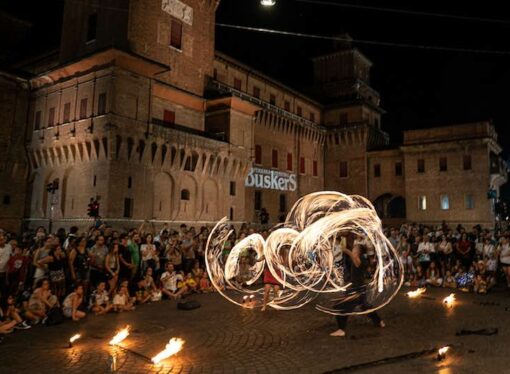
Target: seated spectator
[
  {"x": 100, "y": 300},
  {"x": 188, "y": 283},
  {"x": 449, "y": 280},
  {"x": 433, "y": 277},
  {"x": 146, "y": 288},
  {"x": 72, "y": 302},
  {"x": 169, "y": 281},
  {"x": 197, "y": 271},
  {"x": 122, "y": 301},
  {"x": 205, "y": 285},
  {"x": 9, "y": 312},
  {"x": 480, "y": 284},
  {"x": 42, "y": 301}
]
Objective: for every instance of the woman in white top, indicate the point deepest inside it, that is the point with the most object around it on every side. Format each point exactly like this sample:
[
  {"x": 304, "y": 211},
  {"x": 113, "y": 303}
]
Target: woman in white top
[
  {"x": 504, "y": 258},
  {"x": 150, "y": 257}
]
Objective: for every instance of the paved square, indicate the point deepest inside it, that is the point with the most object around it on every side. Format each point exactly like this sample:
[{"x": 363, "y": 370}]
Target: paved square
[{"x": 223, "y": 338}]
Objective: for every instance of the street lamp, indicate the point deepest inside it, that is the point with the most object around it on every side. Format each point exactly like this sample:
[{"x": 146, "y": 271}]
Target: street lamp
[{"x": 268, "y": 3}]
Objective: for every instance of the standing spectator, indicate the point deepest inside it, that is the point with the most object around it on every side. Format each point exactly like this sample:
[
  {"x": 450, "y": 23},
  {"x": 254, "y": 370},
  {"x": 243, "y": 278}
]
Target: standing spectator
[
  {"x": 188, "y": 252},
  {"x": 79, "y": 264},
  {"x": 5, "y": 254},
  {"x": 55, "y": 262},
  {"x": 70, "y": 238},
  {"x": 98, "y": 254},
  {"x": 126, "y": 265},
  {"x": 425, "y": 250},
  {"x": 149, "y": 254},
  {"x": 42, "y": 269},
  {"x": 112, "y": 266},
  {"x": 464, "y": 250},
  {"x": 134, "y": 250},
  {"x": 17, "y": 267}
]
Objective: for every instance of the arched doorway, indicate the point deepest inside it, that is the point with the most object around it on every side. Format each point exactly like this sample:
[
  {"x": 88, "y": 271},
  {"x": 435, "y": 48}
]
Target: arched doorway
[{"x": 390, "y": 206}]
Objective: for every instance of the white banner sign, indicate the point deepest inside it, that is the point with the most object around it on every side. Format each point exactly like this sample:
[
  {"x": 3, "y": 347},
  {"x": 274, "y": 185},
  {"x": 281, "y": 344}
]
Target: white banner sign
[
  {"x": 179, "y": 10},
  {"x": 271, "y": 179}
]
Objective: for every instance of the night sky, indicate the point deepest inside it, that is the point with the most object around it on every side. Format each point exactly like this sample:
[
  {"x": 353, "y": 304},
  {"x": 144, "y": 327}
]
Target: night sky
[{"x": 419, "y": 88}]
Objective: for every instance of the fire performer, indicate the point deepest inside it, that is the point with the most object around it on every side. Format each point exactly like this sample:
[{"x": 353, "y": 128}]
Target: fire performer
[{"x": 357, "y": 278}]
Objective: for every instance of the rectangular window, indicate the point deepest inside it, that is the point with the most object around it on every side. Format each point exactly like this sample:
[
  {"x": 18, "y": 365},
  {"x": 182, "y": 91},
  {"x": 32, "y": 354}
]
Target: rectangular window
[
  {"x": 51, "y": 117},
  {"x": 256, "y": 92},
  {"x": 302, "y": 168},
  {"x": 299, "y": 111},
  {"x": 128, "y": 207},
  {"x": 67, "y": 112},
  {"x": 466, "y": 162},
  {"x": 237, "y": 84},
  {"x": 258, "y": 154},
  {"x": 169, "y": 116},
  {"x": 312, "y": 116},
  {"x": 443, "y": 164},
  {"x": 176, "y": 34},
  {"x": 421, "y": 166},
  {"x": 286, "y": 106},
  {"x": 37, "y": 120},
  {"x": 422, "y": 202},
  {"x": 289, "y": 161},
  {"x": 398, "y": 169},
  {"x": 258, "y": 200},
  {"x": 272, "y": 99},
  {"x": 445, "y": 202},
  {"x": 315, "y": 168},
  {"x": 83, "y": 108},
  {"x": 232, "y": 188},
  {"x": 377, "y": 170},
  {"x": 283, "y": 203},
  {"x": 343, "y": 169},
  {"x": 101, "y": 103},
  {"x": 274, "y": 159},
  {"x": 231, "y": 213},
  {"x": 469, "y": 202},
  {"x": 92, "y": 27}
]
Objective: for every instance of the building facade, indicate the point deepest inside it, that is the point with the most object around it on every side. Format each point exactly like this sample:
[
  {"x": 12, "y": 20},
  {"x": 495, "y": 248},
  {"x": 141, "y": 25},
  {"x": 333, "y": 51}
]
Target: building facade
[{"x": 140, "y": 112}]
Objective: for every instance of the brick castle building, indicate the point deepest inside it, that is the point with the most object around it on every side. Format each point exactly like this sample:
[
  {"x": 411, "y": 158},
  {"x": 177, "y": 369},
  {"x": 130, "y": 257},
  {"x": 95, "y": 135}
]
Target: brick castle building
[{"x": 139, "y": 111}]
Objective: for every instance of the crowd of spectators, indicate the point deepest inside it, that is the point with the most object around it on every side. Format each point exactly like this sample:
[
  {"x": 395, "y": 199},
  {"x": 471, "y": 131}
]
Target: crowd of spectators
[
  {"x": 474, "y": 260},
  {"x": 46, "y": 277}
]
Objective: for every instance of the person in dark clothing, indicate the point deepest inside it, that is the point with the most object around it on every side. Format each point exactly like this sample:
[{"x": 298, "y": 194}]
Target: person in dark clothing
[{"x": 357, "y": 278}]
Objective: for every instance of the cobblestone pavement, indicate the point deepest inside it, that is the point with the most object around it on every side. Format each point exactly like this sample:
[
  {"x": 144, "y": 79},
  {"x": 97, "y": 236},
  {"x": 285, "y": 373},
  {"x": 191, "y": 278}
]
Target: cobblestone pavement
[{"x": 223, "y": 338}]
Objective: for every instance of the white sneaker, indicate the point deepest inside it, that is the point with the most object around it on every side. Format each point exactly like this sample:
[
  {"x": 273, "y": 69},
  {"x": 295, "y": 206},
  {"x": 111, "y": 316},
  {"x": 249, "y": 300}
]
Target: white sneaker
[{"x": 338, "y": 332}]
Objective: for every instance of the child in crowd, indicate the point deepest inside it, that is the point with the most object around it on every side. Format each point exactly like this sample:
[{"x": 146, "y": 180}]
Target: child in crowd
[
  {"x": 100, "y": 301},
  {"x": 205, "y": 285},
  {"x": 122, "y": 301},
  {"x": 146, "y": 288}
]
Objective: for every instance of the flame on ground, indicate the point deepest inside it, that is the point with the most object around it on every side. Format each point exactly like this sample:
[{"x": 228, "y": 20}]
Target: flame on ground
[
  {"x": 416, "y": 293},
  {"x": 450, "y": 300},
  {"x": 173, "y": 346},
  {"x": 120, "y": 336},
  {"x": 74, "y": 338},
  {"x": 442, "y": 351}
]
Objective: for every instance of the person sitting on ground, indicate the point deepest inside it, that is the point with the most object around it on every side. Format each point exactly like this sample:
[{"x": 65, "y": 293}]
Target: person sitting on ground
[
  {"x": 197, "y": 271},
  {"x": 449, "y": 280},
  {"x": 9, "y": 312},
  {"x": 146, "y": 288},
  {"x": 41, "y": 301},
  {"x": 72, "y": 302},
  {"x": 122, "y": 301},
  {"x": 433, "y": 277},
  {"x": 480, "y": 285},
  {"x": 99, "y": 300},
  {"x": 189, "y": 283},
  {"x": 169, "y": 282},
  {"x": 205, "y": 286}
]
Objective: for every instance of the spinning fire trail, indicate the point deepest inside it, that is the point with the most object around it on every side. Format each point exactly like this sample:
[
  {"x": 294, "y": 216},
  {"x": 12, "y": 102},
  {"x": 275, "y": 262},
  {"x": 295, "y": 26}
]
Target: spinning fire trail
[{"x": 300, "y": 254}]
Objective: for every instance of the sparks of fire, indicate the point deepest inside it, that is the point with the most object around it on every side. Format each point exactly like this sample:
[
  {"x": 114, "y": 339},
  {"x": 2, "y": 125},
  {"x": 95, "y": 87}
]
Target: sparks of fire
[
  {"x": 173, "y": 346},
  {"x": 120, "y": 336},
  {"x": 416, "y": 293},
  {"x": 449, "y": 300},
  {"x": 74, "y": 338}
]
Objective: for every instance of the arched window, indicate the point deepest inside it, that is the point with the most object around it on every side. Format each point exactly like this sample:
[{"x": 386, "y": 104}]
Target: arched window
[{"x": 184, "y": 194}]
